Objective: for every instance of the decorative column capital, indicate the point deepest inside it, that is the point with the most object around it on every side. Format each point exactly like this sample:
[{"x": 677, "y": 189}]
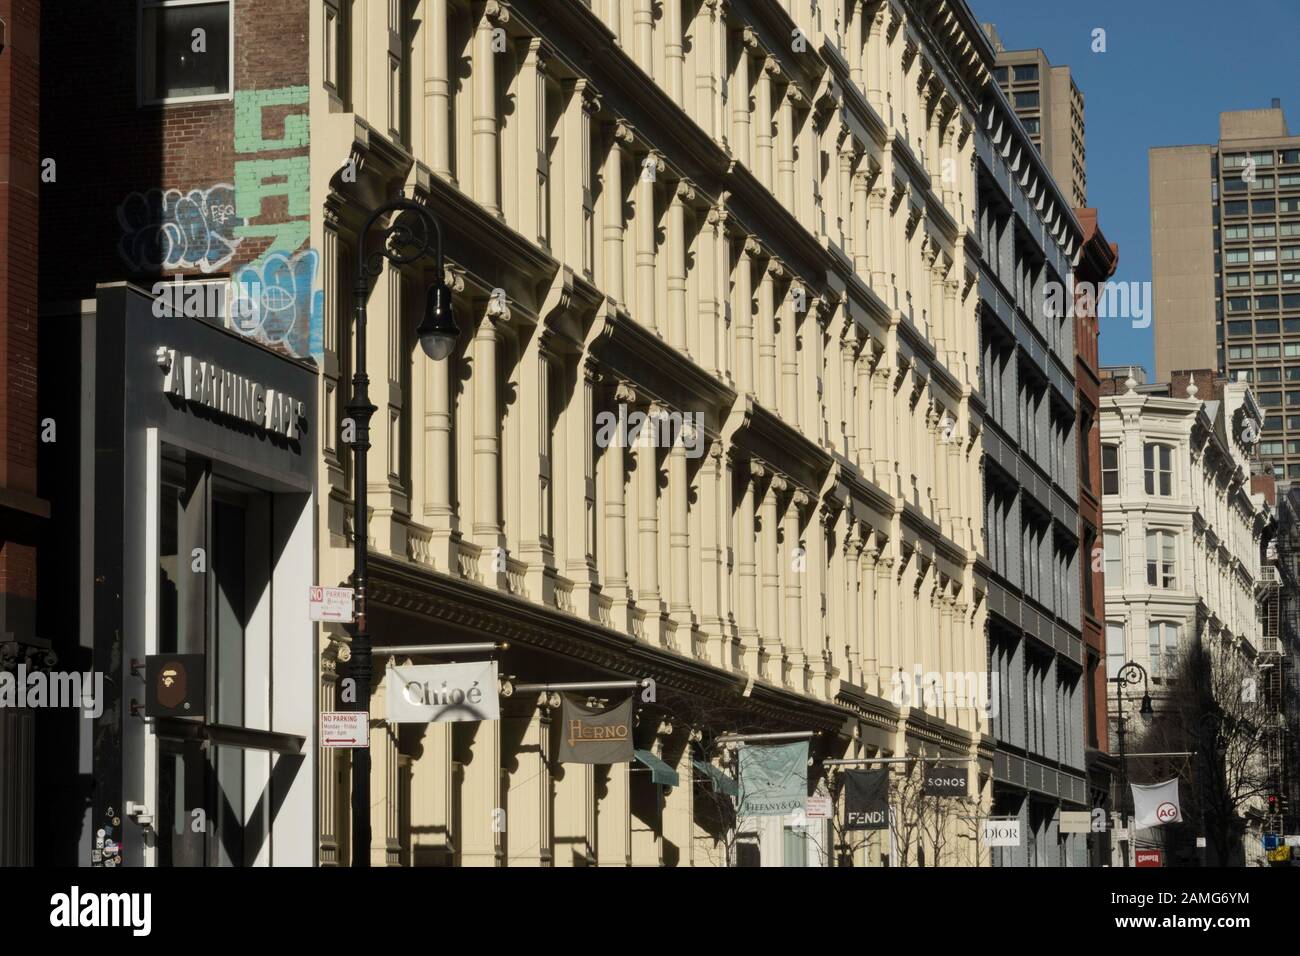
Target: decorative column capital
[{"x": 497, "y": 11}]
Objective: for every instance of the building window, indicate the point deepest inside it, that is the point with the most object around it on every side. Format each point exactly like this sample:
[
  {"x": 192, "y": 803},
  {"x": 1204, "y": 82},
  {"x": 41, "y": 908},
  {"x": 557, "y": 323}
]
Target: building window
[
  {"x": 1162, "y": 639},
  {"x": 1115, "y": 651},
  {"x": 1157, "y": 462},
  {"x": 186, "y": 50},
  {"x": 1162, "y": 555},
  {"x": 1027, "y": 99},
  {"x": 1110, "y": 469},
  {"x": 1273, "y": 374},
  {"x": 1026, "y": 73},
  {"x": 1114, "y": 544}
]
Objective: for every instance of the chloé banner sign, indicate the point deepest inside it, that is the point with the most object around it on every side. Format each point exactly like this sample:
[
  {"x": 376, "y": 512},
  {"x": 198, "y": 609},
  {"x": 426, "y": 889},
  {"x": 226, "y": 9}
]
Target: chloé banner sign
[
  {"x": 437, "y": 693},
  {"x": 229, "y": 393}
]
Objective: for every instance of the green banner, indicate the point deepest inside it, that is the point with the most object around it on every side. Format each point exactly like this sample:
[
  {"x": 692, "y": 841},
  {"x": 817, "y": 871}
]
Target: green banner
[{"x": 773, "y": 780}]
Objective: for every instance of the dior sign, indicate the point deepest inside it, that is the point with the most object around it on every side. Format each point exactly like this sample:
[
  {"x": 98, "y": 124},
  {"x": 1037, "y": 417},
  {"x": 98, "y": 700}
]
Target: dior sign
[{"x": 229, "y": 393}]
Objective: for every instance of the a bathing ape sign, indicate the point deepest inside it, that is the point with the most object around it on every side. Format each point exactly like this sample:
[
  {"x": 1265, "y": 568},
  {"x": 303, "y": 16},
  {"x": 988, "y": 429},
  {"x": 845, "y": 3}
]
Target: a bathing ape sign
[
  {"x": 175, "y": 685},
  {"x": 229, "y": 393},
  {"x": 591, "y": 735}
]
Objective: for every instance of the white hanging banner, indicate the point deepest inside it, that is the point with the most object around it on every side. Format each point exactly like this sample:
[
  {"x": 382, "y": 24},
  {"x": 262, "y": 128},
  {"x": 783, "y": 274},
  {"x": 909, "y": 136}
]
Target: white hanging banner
[
  {"x": 1156, "y": 804},
  {"x": 434, "y": 693},
  {"x": 1000, "y": 831}
]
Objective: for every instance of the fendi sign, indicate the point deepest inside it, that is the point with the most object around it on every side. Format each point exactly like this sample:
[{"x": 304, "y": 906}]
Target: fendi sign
[{"x": 229, "y": 393}]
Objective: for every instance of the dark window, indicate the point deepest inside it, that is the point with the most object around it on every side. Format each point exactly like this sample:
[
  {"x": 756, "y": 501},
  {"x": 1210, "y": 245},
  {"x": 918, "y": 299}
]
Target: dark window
[
  {"x": 185, "y": 50},
  {"x": 1110, "y": 469}
]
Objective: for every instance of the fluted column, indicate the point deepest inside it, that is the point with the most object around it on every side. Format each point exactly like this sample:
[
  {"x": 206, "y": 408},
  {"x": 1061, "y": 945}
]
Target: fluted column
[
  {"x": 794, "y": 571},
  {"x": 616, "y": 579},
  {"x": 481, "y": 796},
  {"x": 682, "y": 194},
  {"x": 647, "y": 480},
  {"x": 770, "y": 573},
  {"x": 741, "y": 135},
  {"x": 767, "y": 334},
  {"x": 789, "y": 351},
  {"x": 791, "y": 98},
  {"x": 673, "y": 55},
  {"x": 645, "y": 242},
  {"x": 643, "y": 24},
  {"x": 763, "y": 122},
  {"x": 744, "y": 316},
  {"x": 679, "y": 538},
  {"x": 438, "y": 144},
  {"x": 877, "y": 242},
  {"x": 529, "y": 833},
  {"x": 612, "y": 199},
  {"x": 713, "y": 511},
  {"x": 747, "y": 570},
  {"x": 487, "y": 439},
  {"x": 486, "y": 185},
  {"x": 853, "y": 9}
]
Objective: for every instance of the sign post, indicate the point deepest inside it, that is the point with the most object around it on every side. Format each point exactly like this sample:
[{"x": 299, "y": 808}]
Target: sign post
[
  {"x": 344, "y": 729},
  {"x": 331, "y": 605}
]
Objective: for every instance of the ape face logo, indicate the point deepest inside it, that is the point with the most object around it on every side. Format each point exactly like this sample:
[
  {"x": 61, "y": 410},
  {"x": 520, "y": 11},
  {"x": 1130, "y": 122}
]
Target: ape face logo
[
  {"x": 173, "y": 681},
  {"x": 176, "y": 685}
]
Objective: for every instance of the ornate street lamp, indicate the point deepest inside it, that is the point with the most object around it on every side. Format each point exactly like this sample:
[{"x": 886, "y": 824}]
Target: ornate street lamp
[
  {"x": 411, "y": 234},
  {"x": 1130, "y": 673}
]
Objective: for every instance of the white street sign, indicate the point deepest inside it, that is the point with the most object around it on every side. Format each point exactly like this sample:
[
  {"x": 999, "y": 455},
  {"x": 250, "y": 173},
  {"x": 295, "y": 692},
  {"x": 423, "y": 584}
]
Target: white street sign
[
  {"x": 345, "y": 728},
  {"x": 1076, "y": 821},
  {"x": 1001, "y": 831},
  {"x": 1200, "y": 843},
  {"x": 330, "y": 604},
  {"x": 819, "y": 807}
]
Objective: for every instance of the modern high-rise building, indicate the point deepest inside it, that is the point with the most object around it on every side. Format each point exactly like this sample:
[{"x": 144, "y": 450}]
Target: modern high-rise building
[
  {"x": 1050, "y": 107},
  {"x": 1225, "y": 256}
]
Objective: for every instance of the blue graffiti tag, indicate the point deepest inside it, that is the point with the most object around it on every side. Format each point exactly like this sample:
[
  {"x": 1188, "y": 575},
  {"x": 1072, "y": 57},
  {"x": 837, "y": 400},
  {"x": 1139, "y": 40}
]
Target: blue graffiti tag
[{"x": 179, "y": 230}]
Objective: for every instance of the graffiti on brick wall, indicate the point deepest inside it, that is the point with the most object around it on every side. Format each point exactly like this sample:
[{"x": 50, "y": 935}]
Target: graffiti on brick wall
[
  {"x": 273, "y": 201},
  {"x": 171, "y": 229}
]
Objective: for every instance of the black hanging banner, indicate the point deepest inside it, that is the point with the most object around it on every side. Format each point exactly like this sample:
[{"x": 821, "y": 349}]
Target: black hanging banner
[
  {"x": 866, "y": 799},
  {"x": 943, "y": 781}
]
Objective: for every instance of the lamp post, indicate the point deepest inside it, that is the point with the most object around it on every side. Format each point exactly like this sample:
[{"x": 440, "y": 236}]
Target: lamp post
[
  {"x": 410, "y": 235},
  {"x": 1130, "y": 673}
]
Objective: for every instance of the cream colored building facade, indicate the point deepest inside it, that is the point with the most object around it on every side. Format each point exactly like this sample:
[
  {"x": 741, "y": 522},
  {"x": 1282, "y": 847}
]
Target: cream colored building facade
[
  {"x": 1182, "y": 542},
  {"x": 759, "y": 214}
]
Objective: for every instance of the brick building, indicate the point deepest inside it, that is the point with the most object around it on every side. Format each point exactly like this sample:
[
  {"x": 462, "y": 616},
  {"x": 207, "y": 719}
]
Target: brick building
[
  {"x": 22, "y": 511},
  {"x": 184, "y": 523},
  {"x": 1096, "y": 264}
]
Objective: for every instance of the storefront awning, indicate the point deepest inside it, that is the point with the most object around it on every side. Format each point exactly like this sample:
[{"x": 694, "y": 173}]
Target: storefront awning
[
  {"x": 660, "y": 772},
  {"x": 721, "y": 782}
]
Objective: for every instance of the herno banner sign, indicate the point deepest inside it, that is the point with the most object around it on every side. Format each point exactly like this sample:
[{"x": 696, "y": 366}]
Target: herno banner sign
[
  {"x": 435, "y": 693},
  {"x": 945, "y": 782},
  {"x": 595, "y": 736}
]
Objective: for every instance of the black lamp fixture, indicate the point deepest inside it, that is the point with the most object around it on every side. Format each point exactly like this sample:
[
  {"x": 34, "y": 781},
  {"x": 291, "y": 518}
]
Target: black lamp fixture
[{"x": 438, "y": 331}]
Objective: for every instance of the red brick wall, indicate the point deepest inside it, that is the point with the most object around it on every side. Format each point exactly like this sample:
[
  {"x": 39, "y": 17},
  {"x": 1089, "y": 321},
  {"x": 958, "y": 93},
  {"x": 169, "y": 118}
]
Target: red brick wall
[
  {"x": 139, "y": 148},
  {"x": 19, "y": 99},
  {"x": 1097, "y": 264}
]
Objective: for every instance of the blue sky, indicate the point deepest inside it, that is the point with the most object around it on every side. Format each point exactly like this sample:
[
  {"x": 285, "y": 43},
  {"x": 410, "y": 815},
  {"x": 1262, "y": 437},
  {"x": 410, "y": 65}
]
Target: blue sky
[{"x": 1210, "y": 57}]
